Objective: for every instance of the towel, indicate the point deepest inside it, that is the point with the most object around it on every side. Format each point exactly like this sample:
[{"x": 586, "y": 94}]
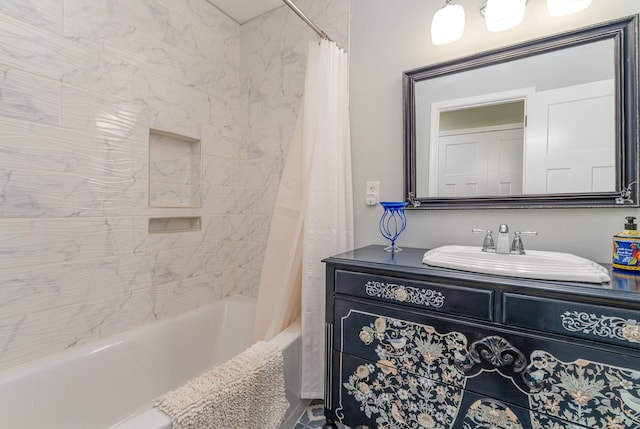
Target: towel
[{"x": 245, "y": 392}]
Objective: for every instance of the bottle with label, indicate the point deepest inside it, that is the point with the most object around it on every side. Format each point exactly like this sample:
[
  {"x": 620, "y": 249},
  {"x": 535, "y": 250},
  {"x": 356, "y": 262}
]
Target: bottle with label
[{"x": 626, "y": 247}]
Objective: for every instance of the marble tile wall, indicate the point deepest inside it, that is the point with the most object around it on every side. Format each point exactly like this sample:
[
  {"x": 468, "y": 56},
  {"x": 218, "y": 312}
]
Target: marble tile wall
[
  {"x": 273, "y": 61},
  {"x": 175, "y": 165},
  {"x": 81, "y": 84}
]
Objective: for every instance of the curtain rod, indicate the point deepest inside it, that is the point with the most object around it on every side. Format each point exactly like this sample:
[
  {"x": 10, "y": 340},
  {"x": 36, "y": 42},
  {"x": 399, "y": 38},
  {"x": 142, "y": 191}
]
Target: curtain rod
[{"x": 306, "y": 19}]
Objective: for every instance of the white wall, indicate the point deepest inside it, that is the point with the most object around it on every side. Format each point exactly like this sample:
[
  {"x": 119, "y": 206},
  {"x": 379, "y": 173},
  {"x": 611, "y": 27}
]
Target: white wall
[{"x": 388, "y": 38}]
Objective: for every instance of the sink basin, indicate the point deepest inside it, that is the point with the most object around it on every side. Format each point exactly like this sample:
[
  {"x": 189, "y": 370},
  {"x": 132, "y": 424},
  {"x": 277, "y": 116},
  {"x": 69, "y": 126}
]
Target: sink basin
[{"x": 535, "y": 264}]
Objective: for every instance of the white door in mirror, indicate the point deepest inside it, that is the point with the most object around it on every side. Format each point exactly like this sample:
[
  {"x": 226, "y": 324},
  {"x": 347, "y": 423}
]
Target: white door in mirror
[{"x": 568, "y": 140}]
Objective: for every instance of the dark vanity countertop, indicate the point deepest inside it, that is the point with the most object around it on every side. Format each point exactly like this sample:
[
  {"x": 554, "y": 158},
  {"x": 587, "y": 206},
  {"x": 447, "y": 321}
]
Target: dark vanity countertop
[{"x": 622, "y": 290}]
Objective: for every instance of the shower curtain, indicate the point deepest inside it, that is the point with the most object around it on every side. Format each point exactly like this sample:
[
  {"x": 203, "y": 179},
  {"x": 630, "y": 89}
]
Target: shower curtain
[{"x": 313, "y": 215}]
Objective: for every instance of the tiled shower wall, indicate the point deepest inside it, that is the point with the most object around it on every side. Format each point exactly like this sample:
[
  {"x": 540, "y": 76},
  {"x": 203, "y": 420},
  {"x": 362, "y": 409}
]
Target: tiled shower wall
[
  {"x": 272, "y": 68},
  {"x": 82, "y": 83}
]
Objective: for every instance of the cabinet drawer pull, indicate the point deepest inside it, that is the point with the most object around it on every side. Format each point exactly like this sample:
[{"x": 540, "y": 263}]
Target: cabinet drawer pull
[
  {"x": 631, "y": 333},
  {"x": 402, "y": 293},
  {"x": 601, "y": 326}
]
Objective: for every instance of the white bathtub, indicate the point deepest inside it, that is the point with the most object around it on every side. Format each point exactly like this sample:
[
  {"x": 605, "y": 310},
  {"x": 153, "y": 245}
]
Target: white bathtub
[{"x": 112, "y": 383}]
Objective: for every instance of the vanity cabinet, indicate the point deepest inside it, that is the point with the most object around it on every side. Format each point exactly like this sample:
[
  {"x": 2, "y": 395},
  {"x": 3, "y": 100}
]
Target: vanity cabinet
[{"x": 412, "y": 346}]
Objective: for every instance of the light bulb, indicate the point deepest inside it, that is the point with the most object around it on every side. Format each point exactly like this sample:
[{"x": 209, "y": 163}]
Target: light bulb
[
  {"x": 448, "y": 24},
  {"x": 566, "y": 7},
  {"x": 504, "y": 14}
]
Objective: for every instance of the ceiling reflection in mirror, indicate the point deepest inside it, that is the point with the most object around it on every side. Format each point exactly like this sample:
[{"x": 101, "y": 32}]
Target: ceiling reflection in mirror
[{"x": 549, "y": 126}]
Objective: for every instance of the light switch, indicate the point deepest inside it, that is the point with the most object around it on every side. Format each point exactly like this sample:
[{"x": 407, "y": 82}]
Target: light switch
[{"x": 372, "y": 195}]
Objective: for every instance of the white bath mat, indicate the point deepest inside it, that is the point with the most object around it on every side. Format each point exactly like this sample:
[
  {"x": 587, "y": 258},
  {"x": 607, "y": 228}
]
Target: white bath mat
[{"x": 245, "y": 392}]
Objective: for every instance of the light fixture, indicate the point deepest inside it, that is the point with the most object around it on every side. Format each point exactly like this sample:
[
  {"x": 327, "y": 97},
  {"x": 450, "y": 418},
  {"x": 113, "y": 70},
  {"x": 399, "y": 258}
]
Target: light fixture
[
  {"x": 503, "y": 14},
  {"x": 566, "y": 7},
  {"x": 448, "y": 24}
]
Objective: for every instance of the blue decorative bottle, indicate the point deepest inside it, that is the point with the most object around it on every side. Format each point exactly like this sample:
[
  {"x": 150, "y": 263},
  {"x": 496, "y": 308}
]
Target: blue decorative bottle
[{"x": 392, "y": 223}]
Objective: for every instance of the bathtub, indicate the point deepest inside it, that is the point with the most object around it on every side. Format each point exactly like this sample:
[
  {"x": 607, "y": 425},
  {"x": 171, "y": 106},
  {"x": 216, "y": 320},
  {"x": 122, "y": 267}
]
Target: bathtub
[{"x": 113, "y": 382}]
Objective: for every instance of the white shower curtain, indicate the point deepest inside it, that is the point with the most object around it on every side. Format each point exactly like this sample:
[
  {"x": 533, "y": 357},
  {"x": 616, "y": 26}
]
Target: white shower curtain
[
  {"x": 313, "y": 216},
  {"x": 328, "y": 225}
]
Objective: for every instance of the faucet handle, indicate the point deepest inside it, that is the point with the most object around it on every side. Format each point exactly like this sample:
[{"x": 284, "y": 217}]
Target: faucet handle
[
  {"x": 488, "y": 243},
  {"x": 516, "y": 245}
]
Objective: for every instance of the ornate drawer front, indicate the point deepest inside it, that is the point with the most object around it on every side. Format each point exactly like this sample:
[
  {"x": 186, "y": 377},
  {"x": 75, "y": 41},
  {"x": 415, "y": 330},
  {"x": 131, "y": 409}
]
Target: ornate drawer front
[
  {"x": 592, "y": 394},
  {"x": 557, "y": 379},
  {"x": 450, "y": 299},
  {"x": 487, "y": 413},
  {"x": 401, "y": 344},
  {"x": 375, "y": 395},
  {"x": 378, "y": 396},
  {"x": 447, "y": 352},
  {"x": 593, "y": 322}
]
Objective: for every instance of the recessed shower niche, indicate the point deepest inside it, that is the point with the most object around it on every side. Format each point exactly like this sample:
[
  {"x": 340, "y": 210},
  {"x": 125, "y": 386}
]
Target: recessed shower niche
[{"x": 175, "y": 169}]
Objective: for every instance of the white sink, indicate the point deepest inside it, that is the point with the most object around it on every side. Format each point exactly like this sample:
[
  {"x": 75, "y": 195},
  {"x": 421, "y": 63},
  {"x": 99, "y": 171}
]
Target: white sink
[{"x": 535, "y": 264}]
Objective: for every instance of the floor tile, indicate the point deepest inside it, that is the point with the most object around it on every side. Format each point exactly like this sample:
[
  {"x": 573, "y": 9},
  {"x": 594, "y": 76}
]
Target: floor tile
[{"x": 313, "y": 417}]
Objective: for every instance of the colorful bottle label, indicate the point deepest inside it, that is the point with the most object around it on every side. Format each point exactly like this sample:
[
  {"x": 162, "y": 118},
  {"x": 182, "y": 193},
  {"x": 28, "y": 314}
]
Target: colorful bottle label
[{"x": 626, "y": 251}]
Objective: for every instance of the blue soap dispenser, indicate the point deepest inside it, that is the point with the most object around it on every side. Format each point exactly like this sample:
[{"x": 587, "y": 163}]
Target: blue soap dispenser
[{"x": 626, "y": 247}]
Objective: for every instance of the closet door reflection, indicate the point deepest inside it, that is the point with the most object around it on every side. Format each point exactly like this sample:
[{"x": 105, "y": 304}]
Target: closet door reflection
[
  {"x": 480, "y": 162},
  {"x": 569, "y": 146}
]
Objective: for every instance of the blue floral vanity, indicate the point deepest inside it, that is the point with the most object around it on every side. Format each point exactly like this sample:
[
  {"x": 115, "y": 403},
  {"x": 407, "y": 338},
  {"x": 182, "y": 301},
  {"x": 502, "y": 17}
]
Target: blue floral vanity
[{"x": 412, "y": 346}]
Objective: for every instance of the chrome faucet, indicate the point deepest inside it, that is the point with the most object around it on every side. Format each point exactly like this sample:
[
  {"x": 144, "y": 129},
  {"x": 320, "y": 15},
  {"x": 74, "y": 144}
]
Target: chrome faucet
[
  {"x": 503, "y": 239},
  {"x": 503, "y": 246},
  {"x": 488, "y": 244},
  {"x": 517, "y": 246}
]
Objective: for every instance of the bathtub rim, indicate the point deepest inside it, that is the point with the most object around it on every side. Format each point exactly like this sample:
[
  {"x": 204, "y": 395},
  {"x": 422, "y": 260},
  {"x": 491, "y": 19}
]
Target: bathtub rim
[
  {"x": 156, "y": 419},
  {"x": 104, "y": 343},
  {"x": 47, "y": 373}
]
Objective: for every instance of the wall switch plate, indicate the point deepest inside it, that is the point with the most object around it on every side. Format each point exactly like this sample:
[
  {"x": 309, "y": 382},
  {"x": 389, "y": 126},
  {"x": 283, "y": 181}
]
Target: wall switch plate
[{"x": 372, "y": 195}]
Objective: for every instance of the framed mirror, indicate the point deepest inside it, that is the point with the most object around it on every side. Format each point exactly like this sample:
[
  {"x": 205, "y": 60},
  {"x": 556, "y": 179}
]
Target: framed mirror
[{"x": 552, "y": 122}]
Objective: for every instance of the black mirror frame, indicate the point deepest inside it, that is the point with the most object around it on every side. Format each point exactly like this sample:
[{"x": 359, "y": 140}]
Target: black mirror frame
[{"x": 624, "y": 32}]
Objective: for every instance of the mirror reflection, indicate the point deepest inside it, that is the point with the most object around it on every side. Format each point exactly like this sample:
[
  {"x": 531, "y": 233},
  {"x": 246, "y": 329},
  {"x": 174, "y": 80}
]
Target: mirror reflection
[
  {"x": 552, "y": 122},
  {"x": 544, "y": 124}
]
